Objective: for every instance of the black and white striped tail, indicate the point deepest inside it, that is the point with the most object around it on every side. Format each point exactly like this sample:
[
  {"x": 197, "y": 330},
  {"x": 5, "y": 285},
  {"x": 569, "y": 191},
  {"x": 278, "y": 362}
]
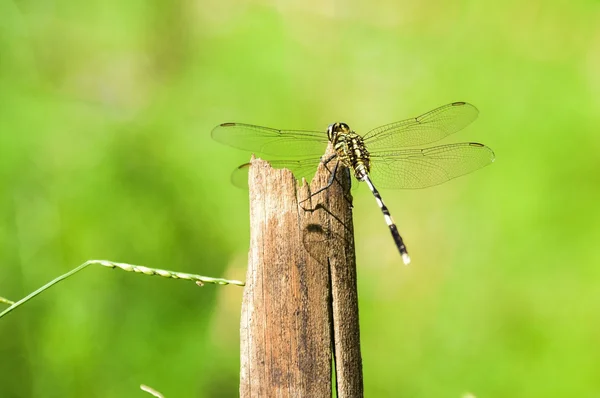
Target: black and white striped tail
[{"x": 390, "y": 222}]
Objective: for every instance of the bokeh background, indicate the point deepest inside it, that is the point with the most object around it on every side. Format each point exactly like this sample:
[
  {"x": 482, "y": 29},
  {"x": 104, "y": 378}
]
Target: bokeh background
[{"x": 106, "y": 109}]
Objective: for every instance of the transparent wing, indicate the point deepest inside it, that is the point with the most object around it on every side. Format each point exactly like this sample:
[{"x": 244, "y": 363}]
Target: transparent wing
[
  {"x": 265, "y": 140},
  {"x": 429, "y": 127},
  {"x": 304, "y": 168},
  {"x": 421, "y": 168}
]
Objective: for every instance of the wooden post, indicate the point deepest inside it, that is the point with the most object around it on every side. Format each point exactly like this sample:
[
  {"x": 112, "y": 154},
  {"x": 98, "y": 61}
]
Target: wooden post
[{"x": 300, "y": 307}]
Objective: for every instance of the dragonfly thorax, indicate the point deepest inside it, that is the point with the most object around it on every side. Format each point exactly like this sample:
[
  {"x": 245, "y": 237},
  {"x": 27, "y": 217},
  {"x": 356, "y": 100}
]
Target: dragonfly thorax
[{"x": 350, "y": 149}]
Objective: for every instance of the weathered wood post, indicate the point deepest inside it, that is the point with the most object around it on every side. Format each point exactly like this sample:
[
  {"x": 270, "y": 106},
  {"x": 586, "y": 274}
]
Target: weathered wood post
[{"x": 300, "y": 306}]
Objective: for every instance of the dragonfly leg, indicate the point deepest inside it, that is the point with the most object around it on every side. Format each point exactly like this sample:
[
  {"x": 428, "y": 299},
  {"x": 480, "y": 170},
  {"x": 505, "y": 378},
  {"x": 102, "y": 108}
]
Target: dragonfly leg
[
  {"x": 347, "y": 195},
  {"x": 329, "y": 159},
  {"x": 332, "y": 178},
  {"x": 329, "y": 183}
]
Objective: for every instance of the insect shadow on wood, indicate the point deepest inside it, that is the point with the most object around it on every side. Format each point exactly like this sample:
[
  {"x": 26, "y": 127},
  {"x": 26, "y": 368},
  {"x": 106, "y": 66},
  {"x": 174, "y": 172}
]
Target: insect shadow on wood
[{"x": 318, "y": 239}]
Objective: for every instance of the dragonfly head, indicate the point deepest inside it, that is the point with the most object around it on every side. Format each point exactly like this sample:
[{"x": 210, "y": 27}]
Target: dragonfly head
[{"x": 336, "y": 129}]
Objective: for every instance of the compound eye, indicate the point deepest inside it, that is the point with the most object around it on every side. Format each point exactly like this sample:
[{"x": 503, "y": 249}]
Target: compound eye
[
  {"x": 344, "y": 126},
  {"x": 330, "y": 131}
]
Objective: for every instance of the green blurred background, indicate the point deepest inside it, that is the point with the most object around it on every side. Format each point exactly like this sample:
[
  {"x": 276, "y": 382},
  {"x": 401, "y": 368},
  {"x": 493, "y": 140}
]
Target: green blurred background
[{"x": 106, "y": 109}]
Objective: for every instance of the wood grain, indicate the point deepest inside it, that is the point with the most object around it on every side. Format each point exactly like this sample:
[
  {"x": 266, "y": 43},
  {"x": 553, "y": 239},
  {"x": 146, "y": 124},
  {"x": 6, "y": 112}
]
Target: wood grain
[{"x": 300, "y": 306}]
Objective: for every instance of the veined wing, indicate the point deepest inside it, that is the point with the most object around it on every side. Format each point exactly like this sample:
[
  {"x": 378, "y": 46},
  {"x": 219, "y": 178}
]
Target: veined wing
[
  {"x": 265, "y": 140},
  {"x": 421, "y": 168},
  {"x": 429, "y": 127},
  {"x": 304, "y": 168}
]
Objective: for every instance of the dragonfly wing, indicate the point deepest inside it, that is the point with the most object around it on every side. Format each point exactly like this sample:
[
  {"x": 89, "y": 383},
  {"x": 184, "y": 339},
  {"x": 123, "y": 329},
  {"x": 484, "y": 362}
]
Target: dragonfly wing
[
  {"x": 421, "y": 168},
  {"x": 268, "y": 141},
  {"x": 429, "y": 127},
  {"x": 304, "y": 168}
]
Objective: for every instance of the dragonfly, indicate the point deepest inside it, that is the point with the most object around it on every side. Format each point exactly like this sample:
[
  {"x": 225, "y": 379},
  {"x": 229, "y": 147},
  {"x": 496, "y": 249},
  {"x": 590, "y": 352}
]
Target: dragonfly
[{"x": 381, "y": 157}]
